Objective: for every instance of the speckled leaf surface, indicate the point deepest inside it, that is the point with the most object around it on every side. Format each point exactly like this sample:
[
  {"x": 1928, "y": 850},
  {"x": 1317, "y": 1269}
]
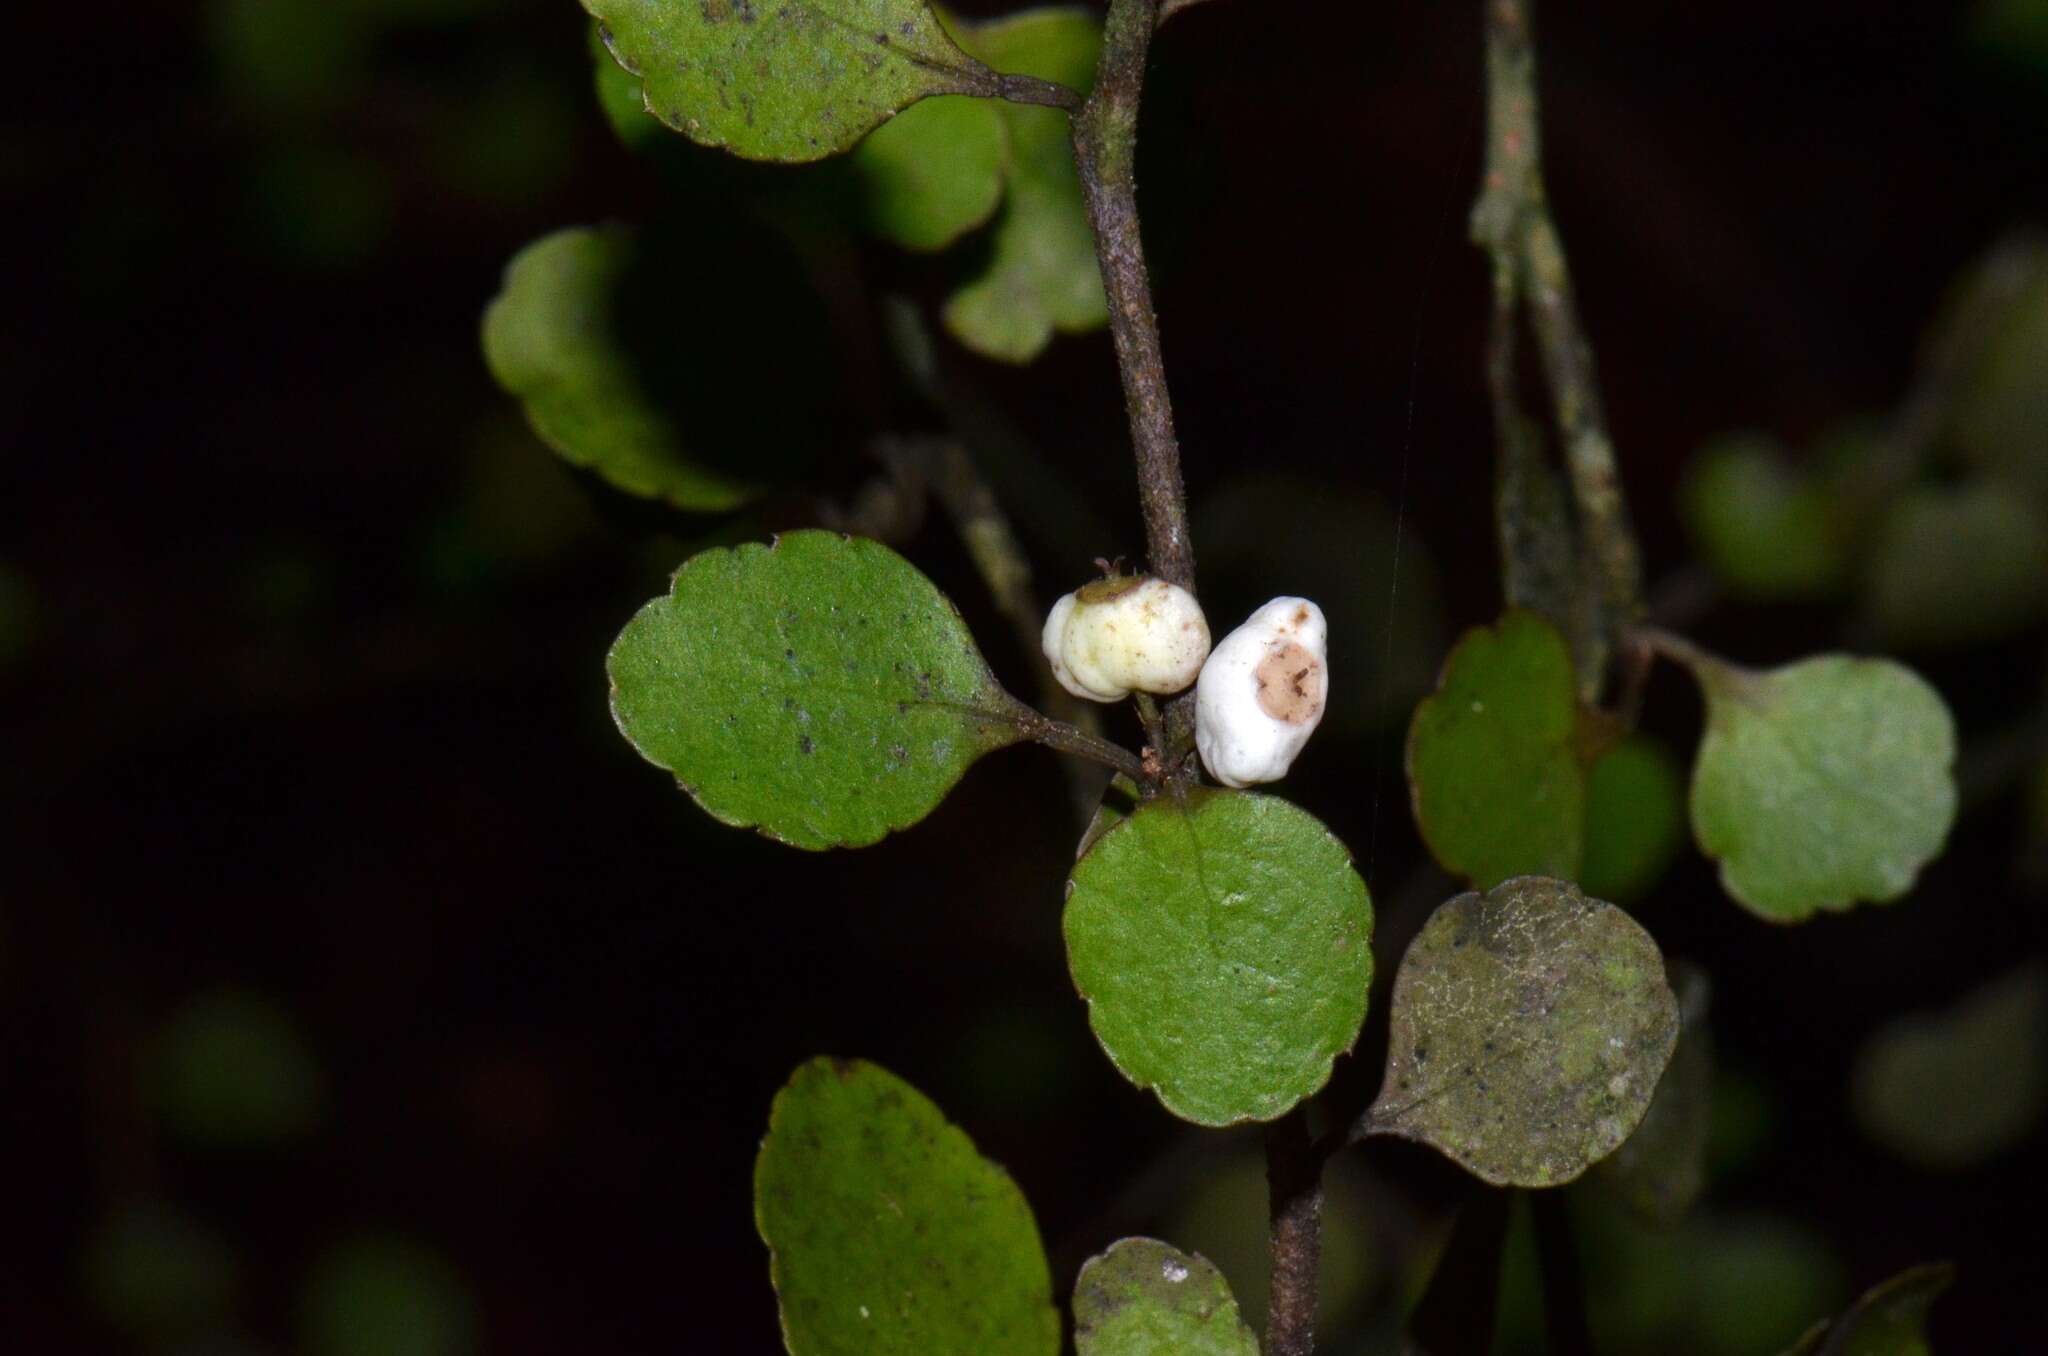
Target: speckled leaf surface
[
  {"x": 1888, "y": 1320},
  {"x": 788, "y": 80},
  {"x": 1223, "y": 946},
  {"x": 1528, "y": 1030},
  {"x": 1042, "y": 275},
  {"x": 550, "y": 340},
  {"x": 819, "y": 689},
  {"x": 1494, "y": 771},
  {"x": 1660, "y": 1170},
  {"x": 1822, "y": 784},
  {"x": 887, "y": 1233},
  {"x": 1147, "y": 1298}
]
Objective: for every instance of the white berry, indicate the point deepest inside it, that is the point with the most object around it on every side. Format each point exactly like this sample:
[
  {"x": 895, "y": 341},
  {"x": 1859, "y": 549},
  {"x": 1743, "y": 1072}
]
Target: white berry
[
  {"x": 1262, "y": 693},
  {"x": 1126, "y": 634}
]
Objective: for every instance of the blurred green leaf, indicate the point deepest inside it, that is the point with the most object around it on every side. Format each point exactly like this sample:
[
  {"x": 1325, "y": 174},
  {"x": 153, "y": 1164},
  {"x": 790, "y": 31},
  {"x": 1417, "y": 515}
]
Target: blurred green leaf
[
  {"x": 620, "y": 99},
  {"x": 1715, "y": 1286},
  {"x": 1119, "y": 799},
  {"x": 231, "y": 1068},
  {"x": 1947, "y": 1090},
  {"x": 320, "y": 206},
  {"x": 1529, "y": 1027},
  {"x": 1821, "y": 784},
  {"x": 288, "y": 55},
  {"x": 1146, "y": 1298},
  {"x": 1957, "y": 564},
  {"x": 519, "y": 505},
  {"x": 156, "y": 1274},
  {"x": 1494, "y": 768},
  {"x": 552, "y": 341},
  {"x": 819, "y": 689},
  {"x": 386, "y": 1297},
  {"x": 1660, "y": 1170},
  {"x": 935, "y": 171},
  {"x": 1742, "y": 1124},
  {"x": 1042, "y": 274},
  {"x": 1766, "y": 531},
  {"x": 888, "y": 1234},
  {"x": 2000, "y": 421},
  {"x": 1222, "y": 1215},
  {"x": 508, "y": 142},
  {"x": 1635, "y": 819},
  {"x": 1372, "y": 577},
  {"x": 1223, "y": 945},
  {"x": 788, "y": 82},
  {"x": 1887, "y": 1320}
]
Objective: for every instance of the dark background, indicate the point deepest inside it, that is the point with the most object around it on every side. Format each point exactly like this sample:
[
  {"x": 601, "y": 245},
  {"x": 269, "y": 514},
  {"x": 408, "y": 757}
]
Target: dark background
[{"x": 303, "y": 633}]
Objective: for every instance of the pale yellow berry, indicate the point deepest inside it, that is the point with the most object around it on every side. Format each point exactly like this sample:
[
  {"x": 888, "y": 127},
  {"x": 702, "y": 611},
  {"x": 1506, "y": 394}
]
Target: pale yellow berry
[{"x": 1126, "y": 634}]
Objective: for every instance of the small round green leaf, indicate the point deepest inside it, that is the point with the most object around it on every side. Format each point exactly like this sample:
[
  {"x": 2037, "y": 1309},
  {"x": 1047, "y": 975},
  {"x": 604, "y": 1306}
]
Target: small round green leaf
[
  {"x": 1947, "y": 1090},
  {"x": 1889, "y": 1319},
  {"x": 1147, "y": 1298},
  {"x": 1223, "y": 946},
  {"x": 1660, "y": 1170},
  {"x": 935, "y": 171},
  {"x": 1949, "y": 566},
  {"x": 887, "y": 1233},
  {"x": 1494, "y": 770},
  {"x": 786, "y": 80},
  {"x": 1635, "y": 820},
  {"x": 1042, "y": 275},
  {"x": 551, "y": 340},
  {"x": 1821, "y": 784},
  {"x": 819, "y": 689},
  {"x": 1764, "y": 529},
  {"x": 1528, "y": 1031}
]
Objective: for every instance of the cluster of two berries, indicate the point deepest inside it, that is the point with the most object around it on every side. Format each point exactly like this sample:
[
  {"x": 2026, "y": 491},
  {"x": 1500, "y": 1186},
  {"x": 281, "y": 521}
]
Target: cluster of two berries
[{"x": 1259, "y": 693}]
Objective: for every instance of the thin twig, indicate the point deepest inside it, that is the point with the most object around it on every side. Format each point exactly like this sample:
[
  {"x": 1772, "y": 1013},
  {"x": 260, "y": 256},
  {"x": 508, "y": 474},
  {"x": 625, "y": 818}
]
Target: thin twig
[
  {"x": 1511, "y": 219},
  {"x": 1294, "y": 1181},
  {"x": 1057, "y": 734},
  {"x": 1105, "y": 132},
  {"x": 943, "y": 464},
  {"x": 1029, "y": 89},
  {"x": 1105, "y": 149}
]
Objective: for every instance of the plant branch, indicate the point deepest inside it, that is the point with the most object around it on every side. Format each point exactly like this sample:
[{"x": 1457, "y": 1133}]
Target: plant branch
[
  {"x": 945, "y": 466},
  {"x": 1057, "y": 734},
  {"x": 1105, "y": 131},
  {"x": 1511, "y": 219},
  {"x": 1294, "y": 1181},
  {"x": 1029, "y": 89}
]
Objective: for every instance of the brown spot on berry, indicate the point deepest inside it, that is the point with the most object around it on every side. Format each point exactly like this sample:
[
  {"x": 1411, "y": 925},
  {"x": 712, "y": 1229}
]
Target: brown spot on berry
[{"x": 1290, "y": 684}]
